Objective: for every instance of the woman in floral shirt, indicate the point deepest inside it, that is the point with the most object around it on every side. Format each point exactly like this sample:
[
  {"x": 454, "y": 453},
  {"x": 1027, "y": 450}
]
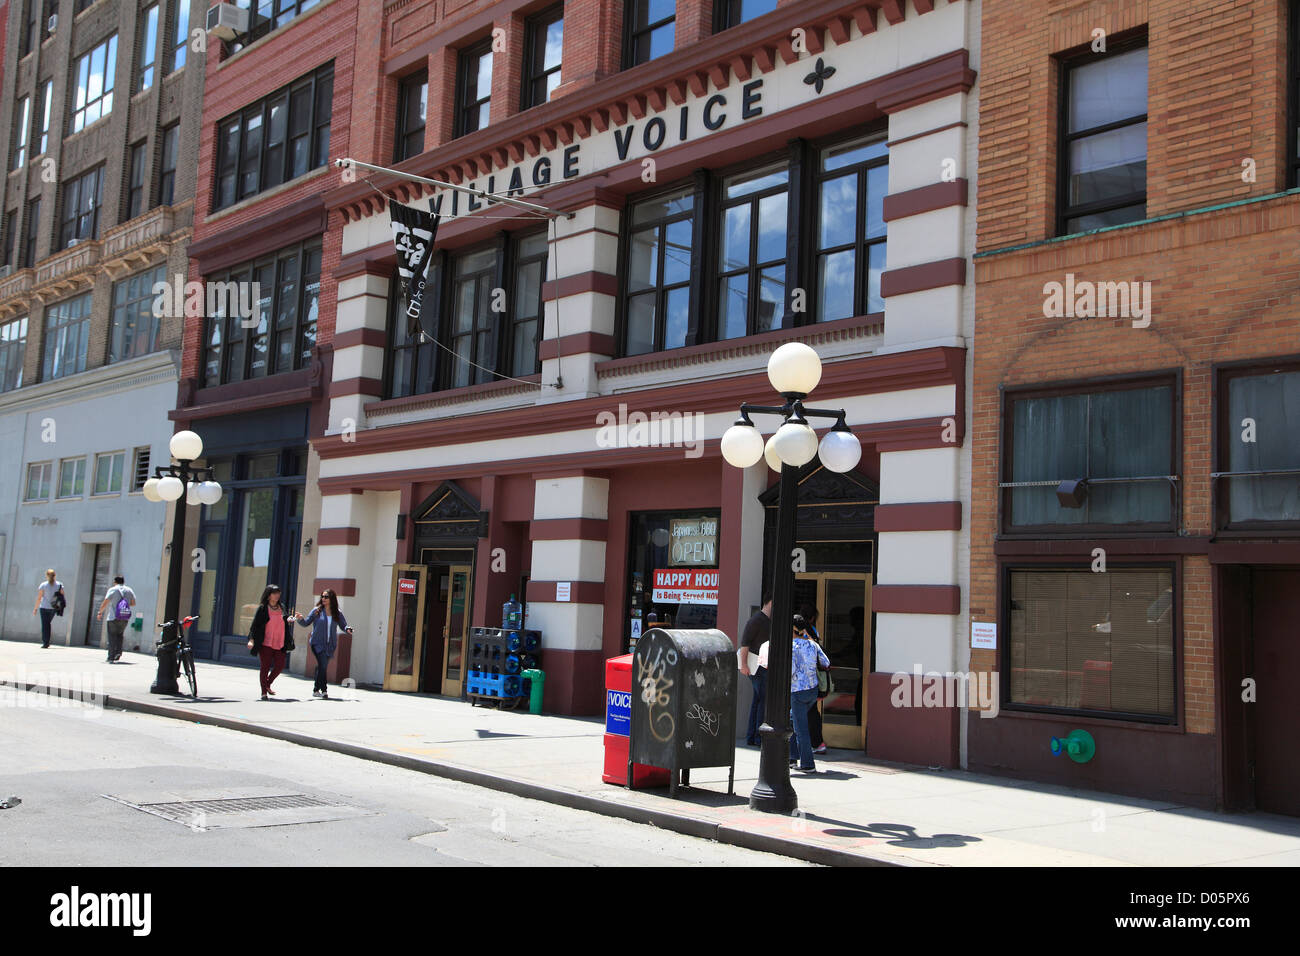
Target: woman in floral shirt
[{"x": 804, "y": 659}]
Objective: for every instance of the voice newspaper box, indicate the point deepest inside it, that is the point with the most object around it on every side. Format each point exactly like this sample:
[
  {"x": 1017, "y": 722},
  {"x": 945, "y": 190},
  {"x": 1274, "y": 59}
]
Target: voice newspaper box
[
  {"x": 618, "y": 728},
  {"x": 684, "y": 703}
]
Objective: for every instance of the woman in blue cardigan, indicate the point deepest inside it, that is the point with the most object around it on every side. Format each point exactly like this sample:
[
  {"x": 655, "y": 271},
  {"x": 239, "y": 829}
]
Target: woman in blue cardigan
[{"x": 325, "y": 621}]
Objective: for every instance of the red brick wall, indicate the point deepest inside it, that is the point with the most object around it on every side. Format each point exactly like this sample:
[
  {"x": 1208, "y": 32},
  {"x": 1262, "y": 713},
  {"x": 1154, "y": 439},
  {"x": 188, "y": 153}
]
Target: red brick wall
[{"x": 1224, "y": 283}]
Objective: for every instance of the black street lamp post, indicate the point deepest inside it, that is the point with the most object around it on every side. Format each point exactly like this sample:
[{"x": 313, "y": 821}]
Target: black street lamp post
[
  {"x": 794, "y": 370},
  {"x": 183, "y": 484}
]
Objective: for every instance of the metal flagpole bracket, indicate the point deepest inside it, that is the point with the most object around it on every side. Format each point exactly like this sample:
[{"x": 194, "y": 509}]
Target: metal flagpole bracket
[{"x": 349, "y": 163}]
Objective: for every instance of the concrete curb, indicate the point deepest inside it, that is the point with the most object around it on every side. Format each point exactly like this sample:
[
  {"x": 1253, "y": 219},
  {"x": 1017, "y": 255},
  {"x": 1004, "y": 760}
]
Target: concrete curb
[{"x": 674, "y": 822}]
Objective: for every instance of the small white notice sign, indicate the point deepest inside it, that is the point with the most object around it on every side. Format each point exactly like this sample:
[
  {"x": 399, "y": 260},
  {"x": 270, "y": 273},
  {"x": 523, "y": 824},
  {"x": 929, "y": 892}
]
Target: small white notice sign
[
  {"x": 984, "y": 634},
  {"x": 561, "y": 590}
]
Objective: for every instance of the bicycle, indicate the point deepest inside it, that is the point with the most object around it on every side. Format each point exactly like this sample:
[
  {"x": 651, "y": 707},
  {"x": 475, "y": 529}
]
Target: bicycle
[{"x": 184, "y": 652}]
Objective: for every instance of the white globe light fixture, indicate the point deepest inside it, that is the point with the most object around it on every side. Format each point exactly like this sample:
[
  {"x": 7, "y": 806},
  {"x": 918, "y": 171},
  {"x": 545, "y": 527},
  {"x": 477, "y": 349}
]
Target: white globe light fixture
[
  {"x": 192, "y": 493},
  {"x": 186, "y": 446},
  {"x": 794, "y": 369},
  {"x": 170, "y": 488},
  {"x": 795, "y": 443},
  {"x": 150, "y": 491},
  {"x": 209, "y": 492},
  {"x": 840, "y": 450},
  {"x": 742, "y": 444},
  {"x": 771, "y": 457}
]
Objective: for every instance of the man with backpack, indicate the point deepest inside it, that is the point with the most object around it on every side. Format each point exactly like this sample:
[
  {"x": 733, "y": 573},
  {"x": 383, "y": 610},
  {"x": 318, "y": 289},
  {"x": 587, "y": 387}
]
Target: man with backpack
[
  {"x": 121, "y": 599},
  {"x": 49, "y": 602}
]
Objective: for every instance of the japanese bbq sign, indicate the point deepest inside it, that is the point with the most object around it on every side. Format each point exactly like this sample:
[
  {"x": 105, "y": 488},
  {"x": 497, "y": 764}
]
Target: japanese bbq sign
[
  {"x": 694, "y": 586},
  {"x": 406, "y": 585},
  {"x": 693, "y": 541}
]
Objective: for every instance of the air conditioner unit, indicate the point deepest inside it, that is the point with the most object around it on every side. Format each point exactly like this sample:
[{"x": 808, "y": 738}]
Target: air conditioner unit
[
  {"x": 72, "y": 242},
  {"x": 227, "y": 21},
  {"x": 52, "y": 23}
]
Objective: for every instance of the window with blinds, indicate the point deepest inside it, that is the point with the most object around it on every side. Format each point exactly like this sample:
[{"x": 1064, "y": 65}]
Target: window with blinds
[{"x": 1098, "y": 642}]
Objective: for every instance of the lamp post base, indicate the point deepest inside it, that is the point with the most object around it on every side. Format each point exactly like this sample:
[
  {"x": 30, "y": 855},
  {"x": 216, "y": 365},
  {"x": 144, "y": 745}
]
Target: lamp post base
[{"x": 773, "y": 793}]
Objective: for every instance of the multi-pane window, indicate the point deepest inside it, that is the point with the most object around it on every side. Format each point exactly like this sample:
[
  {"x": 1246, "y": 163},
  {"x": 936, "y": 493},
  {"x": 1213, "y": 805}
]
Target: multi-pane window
[
  {"x": 148, "y": 49},
  {"x": 13, "y": 350},
  {"x": 412, "y": 108},
  {"x": 67, "y": 333},
  {"x": 139, "y": 467},
  {"x": 38, "y": 481},
  {"x": 267, "y": 15},
  {"x": 135, "y": 184},
  {"x": 472, "y": 325},
  {"x": 24, "y": 114},
  {"x": 649, "y": 28},
  {"x": 33, "y": 231},
  {"x": 752, "y": 252},
  {"x": 276, "y": 139},
  {"x": 1103, "y": 140},
  {"x": 529, "y": 270},
  {"x": 1259, "y": 449},
  {"x": 658, "y": 272},
  {"x": 47, "y": 97},
  {"x": 412, "y": 358},
  {"x": 108, "y": 473},
  {"x": 171, "y": 137},
  {"x": 81, "y": 208},
  {"x": 72, "y": 478},
  {"x": 730, "y": 13},
  {"x": 93, "y": 77},
  {"x": 265, "y": 321},
  {"x": 1081, "y": 641},
  {"x": 180, "y": 33},
  {"x": 9, "y": 238},
  {"x": 1118, "y": 441},
  {"x": 544, "y": 41},
  {"x": 135, "y": 326},
  {"x": 853, "y": 181},
  {"x": 474, "y": 88}
]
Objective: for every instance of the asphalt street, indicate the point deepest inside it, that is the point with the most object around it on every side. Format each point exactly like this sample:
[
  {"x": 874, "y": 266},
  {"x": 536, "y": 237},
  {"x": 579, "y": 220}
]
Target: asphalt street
[{"x": 222, "y": 798}]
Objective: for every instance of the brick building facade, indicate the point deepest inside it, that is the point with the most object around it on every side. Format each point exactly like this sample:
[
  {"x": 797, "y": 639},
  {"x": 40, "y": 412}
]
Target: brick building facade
[{"x": 1134, "y": 151}]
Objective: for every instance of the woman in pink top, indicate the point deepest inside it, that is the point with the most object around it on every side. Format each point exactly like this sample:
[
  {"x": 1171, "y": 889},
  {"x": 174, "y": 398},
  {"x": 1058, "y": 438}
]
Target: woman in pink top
[{"x": 269, "y": 637}]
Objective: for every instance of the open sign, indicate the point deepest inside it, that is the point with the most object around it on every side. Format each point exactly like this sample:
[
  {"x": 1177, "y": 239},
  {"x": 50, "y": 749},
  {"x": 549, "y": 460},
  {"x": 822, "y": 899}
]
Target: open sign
[{"x": 406, "y": 585}]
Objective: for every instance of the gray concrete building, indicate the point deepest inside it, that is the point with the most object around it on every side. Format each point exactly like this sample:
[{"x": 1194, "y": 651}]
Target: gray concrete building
[{"x": 99, "y": 135}]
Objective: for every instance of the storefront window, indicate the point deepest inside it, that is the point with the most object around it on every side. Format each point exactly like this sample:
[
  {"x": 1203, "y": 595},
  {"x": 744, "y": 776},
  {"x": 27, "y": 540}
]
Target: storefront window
[{"x": 673, "y": 571}]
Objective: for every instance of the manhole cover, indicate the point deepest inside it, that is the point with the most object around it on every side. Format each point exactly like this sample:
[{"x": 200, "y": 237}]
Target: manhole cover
[{"x": 230, "y": 809}]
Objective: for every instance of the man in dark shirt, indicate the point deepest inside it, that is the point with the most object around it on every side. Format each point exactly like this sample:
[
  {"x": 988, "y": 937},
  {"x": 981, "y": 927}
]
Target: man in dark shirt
[{"x": 757, "y": 631}]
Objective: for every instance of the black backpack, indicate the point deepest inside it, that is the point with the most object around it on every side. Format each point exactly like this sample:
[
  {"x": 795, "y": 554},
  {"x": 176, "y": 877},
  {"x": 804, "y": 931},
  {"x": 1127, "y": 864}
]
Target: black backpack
[{"x": 59, "y": 602}]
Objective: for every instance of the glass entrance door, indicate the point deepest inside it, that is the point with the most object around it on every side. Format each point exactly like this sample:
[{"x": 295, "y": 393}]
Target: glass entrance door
[
  {"x": 455, "y": 630},
  {"x": 405, "y": 628},
  {"x": 843, "y": 602}
]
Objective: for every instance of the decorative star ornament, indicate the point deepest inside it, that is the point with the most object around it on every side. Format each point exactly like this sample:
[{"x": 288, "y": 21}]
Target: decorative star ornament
[{"x": 820, "y": 74}]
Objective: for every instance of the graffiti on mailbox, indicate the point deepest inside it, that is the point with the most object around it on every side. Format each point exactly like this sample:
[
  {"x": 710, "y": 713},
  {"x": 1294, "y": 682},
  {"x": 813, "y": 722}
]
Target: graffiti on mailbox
[{"x": 655, "y": 692}]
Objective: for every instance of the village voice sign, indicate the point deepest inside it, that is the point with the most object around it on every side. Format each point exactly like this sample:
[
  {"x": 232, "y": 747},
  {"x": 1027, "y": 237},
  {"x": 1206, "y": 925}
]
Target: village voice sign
[{"x": 681, "y": 586}]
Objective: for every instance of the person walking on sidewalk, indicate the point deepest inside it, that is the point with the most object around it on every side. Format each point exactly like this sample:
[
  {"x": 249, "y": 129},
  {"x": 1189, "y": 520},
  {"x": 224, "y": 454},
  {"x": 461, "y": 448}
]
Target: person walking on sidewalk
[
  {"x": 805, "y": 656},
  {"x": 757, "y": 631},
  {"x": 49, "y": 602},
  {"x": 121, "y": 599},
  {"x": 325, "y": 621},
  {"x": 269, "y": 637},
  {"x": 814, "y": 712}
]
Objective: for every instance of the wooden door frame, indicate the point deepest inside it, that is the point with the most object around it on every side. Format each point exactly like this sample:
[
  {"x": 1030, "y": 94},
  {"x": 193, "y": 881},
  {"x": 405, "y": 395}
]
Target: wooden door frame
[
  {"x": 845, "y": 740},
  {"x": 444, "y": 684},
  {"x": 399, "y": 682}
]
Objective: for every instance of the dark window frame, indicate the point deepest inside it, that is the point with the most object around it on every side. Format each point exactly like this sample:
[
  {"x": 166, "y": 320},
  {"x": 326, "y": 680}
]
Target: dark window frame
[
  {"x": 633, "y": 35},
  {"x": 107, "y": 90},
  {"x": 535, "y": 73},
  {"x": 137, "y": 156},
  {"x": 467, "y": 58},
  {"x": 1173, "y": 379},
  {"x": 1226, "y": 432},
  {"x": 31, "y": 228},
  {"x": 1159, "y": 563},
  {"x": 754, "y": 269},
  {"x": 70, "y": 226},
  {"x": 697, "y": 192},
  {"x": 256, "y": 161},
  {"x": 482, "y": 323},
  {"x": 149, "y": 60},
  {"x": 1066, "y": 64},
  {"x": 404, "y": 141},
  {"x": 22, "y": 133},
  {"x": 862, "y": 243},
  {"x": 726, "y": 14},
  {"x": 46, "y": 110},
  {"x": 176, "y": 49},
  {"x": 165, "y": 194},
  {"x": 1293, "y": 96},
  {"x": 127, "y": 322},
  {"x": 13, "y": 352},
  {"x": 49, "y": 371}
]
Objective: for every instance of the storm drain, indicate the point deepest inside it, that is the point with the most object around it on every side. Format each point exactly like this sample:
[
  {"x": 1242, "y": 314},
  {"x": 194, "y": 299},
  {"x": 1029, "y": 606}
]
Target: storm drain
[{"x": 231, "y": 809}]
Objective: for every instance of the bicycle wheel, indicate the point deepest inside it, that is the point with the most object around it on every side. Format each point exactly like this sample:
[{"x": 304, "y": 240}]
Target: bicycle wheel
[{"x": 187, "y": 660}]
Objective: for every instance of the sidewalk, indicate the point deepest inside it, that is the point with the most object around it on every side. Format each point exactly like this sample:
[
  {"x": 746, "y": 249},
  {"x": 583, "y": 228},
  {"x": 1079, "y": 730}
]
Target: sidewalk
[{"x": 854, "y": 812}]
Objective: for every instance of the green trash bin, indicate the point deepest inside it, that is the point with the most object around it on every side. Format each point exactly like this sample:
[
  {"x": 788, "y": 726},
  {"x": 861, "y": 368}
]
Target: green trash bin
[{"x": 537, "y": 685}]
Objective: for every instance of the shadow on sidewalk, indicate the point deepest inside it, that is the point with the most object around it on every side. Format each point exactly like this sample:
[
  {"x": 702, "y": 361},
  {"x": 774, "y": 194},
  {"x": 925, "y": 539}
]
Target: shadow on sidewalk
[{"x": 895, "y": 834}]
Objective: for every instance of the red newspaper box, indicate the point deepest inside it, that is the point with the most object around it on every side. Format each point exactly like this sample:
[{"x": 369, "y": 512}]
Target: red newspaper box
[{"x": 618, "y": 728}]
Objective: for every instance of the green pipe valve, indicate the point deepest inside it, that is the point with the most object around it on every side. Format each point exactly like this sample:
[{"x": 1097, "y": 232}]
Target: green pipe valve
[
  {"x": 1079, "y": 745},
  {"x": 536, "y": 685}
]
